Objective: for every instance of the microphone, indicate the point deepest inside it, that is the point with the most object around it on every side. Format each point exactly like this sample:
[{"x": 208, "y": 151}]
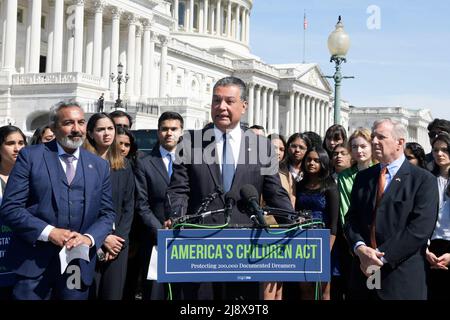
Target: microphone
[{"x": 250, "y": 195}]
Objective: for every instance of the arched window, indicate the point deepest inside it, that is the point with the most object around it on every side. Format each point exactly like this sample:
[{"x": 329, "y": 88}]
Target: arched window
[{"x": 181, "y": 14}]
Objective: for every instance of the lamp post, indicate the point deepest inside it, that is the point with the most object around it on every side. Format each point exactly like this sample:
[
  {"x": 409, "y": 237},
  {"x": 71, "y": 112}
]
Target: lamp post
[
  {"x": 338, "y": 45},
  {"x": 119, "y": 79}
]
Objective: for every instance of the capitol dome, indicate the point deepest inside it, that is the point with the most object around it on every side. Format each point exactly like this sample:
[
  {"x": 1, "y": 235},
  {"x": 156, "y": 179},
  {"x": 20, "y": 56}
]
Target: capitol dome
[{"x": 219, "y": 26}]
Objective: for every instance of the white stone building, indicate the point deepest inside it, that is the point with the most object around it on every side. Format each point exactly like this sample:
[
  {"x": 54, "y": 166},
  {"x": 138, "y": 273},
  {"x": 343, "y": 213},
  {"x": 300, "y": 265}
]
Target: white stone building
[
  {"x": 173, "y": 52},
  {"x": 416, "y": 121}
]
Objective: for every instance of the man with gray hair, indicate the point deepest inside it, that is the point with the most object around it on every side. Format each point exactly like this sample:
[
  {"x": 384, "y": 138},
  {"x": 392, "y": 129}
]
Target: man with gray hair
[
  {"x": 58, "y": 199},
  {"x": 392, "y": 214}
]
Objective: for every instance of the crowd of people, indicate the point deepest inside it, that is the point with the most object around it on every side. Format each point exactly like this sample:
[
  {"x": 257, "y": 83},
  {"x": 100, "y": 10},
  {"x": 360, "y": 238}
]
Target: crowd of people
[{"x": 85, "y": 184}]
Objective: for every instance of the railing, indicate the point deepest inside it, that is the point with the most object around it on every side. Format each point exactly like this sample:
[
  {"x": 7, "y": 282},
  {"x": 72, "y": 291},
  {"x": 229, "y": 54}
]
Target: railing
[
  {"x": 56, "y": 78},
  {"x": 255, "y": 65},
  {"x": 109, "y": 106},
  {"x": 174, "y": 102}
]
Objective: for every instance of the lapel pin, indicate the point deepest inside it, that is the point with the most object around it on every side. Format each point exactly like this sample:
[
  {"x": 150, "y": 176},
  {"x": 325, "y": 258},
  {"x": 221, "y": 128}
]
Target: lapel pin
[
  {"x": 249, "y": 149},
  {"x": 398, "y": 179},
  {"x": 90, "y": 166}
]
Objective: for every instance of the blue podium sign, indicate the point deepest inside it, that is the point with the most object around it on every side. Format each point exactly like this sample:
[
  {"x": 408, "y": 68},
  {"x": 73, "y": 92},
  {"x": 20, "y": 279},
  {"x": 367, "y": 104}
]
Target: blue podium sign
[{"x": 192, "y": 255}]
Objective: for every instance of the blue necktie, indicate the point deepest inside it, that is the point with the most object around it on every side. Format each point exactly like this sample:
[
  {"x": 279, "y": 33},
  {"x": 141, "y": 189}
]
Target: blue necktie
[
  {"x": 227, "y": 165},
  {"x": 169, "y": 167}
]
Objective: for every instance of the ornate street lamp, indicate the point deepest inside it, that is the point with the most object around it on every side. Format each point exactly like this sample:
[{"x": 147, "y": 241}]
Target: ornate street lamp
[
  {"x": 338, "y": 45},
  {"x": 119, "y": 79}
]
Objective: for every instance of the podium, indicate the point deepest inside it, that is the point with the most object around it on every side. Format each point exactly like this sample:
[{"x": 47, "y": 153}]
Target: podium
[{"x": 259, "y": 255}]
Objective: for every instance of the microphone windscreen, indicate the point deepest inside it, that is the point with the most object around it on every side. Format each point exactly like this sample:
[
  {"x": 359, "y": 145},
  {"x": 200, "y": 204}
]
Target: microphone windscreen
[{"x": 248, "y": 192}]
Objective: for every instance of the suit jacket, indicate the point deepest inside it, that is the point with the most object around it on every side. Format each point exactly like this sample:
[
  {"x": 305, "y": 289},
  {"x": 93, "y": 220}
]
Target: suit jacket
[
  {"x": 152, "y": 180},
  {"x": 31, "y": 202},
  {"x": 405, "y": 220},
  {"x": 196, "y": 174},
  {"x": 123, "y": 186}
]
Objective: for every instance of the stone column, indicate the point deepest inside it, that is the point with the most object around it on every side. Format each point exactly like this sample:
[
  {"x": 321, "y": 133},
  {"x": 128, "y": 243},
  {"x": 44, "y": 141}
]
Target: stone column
[
  {"x": 35, "y": 36},
  {"x": 258, "y": 106},
  {"x": 322, "y": 118},
  {"x": 251, "y": 99},
  {"x": 175, "y": 13},
  {"x": 115, "y": 37},
  {"x": 151, "y": 61},
  {"x": 98, "y": 41},
  {"x": 236, "y": 26},
  {"x": 218, "y": 18},
  {"x": 106, "y": 60},
  {"x": 270, "y": 125},
  {"x": 146, "y": 24},
  {"x": 313, "y": 115},
  {"x": 9, "y": 61},
  {"x": 58, "y": 28},
  {"x": 89, "y": 43},
  {"x": 247, "y": 28},
  {"x": 28, "y": 36},
  {"x": 205, "y": 15},
  {"x": 297, "y": 112},
  {"x": 302, "y": 113},
  {"x": 191, "y": 16},
  {"x": 78, "y": 36},
  {"x": 162, "y": 75},
  {"x": 241, "y": 32},
  {"x": 308, "y": 113},
  {"x": 291, "y": 111},
  {"x": 287, "y": 131},
  {"x": 264, "y": 108},
  {"x": 131, "y": 55},
  {"x": 229, "y": 19},
  {"x": 201, "y": 16},
  {"x": 137, "y": 62},
  {"x": 51, "y": 24},
  {"x": 70, "y": 45},
  {"x": 276, "y": 118}
]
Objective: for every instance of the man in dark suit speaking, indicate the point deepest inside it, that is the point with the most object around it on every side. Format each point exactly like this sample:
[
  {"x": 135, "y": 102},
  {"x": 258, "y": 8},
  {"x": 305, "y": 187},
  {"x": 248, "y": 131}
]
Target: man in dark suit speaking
[
  {"x": 220, "y": 159},
  {"x": 392, "y": 214},
  {"x": 58, "y": 195}
]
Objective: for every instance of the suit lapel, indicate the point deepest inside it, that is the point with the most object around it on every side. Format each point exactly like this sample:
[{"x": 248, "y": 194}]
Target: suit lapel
[
  {"x": 209, "y": 152},
  {"x": 244, "y": 151},
  {"x": 397, "y": 181},
  {"x": 52, "y": 162},
  {"x": 90, "y": 175},
  {"x": 157, "y": 161}
]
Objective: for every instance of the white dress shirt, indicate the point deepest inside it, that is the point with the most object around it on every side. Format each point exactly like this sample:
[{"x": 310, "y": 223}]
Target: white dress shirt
[{"x": 234, "y": 139}]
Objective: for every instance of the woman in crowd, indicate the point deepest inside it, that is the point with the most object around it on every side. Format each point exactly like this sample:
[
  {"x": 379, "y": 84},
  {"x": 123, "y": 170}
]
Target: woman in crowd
[
  {"x": 113, "y": 255},
  {"x": 438, "y": 252},
  {"x": 42, "y": 135},
  {"x": 415, "y": 154},
  {"x": 318, "y": 193},
  {"x": 127, "y": 144},
  {"x": 297, "y": 145},
  {"x": 274, "y": 290},
  {"x": 335, "y": 135},
  {"x": 12, "y": 140}
]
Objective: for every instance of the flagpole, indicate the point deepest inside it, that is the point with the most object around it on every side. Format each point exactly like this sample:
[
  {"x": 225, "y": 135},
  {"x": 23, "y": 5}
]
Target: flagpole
[{"x": 304, "y": 36}]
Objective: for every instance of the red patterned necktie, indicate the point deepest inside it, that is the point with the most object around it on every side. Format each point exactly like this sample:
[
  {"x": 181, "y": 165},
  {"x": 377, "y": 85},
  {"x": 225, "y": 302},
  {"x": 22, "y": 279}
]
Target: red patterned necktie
[{"x": 380, "y": 191}]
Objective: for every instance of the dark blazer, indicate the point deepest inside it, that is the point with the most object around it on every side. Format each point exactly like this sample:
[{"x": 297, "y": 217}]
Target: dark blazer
[
  {"x": 152, "y": 181},
  {"x": 196, "y": 174},
  {"x": 30, "y": 203},
  {"x": 405, "y": 220},
  {"x": 123, "y": 186}
]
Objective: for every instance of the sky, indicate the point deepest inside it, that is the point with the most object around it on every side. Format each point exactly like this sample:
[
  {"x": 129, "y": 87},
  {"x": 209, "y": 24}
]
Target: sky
[{"x": 399, "y": 52}]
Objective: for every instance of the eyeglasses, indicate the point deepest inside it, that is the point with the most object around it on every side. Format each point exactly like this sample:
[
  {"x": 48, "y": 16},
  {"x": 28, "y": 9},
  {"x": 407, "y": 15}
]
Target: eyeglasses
[{"x": 295, "y": 146}]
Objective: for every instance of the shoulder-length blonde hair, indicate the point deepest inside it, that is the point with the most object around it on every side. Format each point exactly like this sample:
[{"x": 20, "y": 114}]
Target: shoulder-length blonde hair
[{"x": 113, "y": 156}]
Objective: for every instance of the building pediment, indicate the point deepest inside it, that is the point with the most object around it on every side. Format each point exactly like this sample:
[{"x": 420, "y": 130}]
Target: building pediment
[{"x": 315, "y": 78}]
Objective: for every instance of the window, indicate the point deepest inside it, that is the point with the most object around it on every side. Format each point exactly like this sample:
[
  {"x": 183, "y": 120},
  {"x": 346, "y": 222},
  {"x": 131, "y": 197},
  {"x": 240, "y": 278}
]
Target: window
[
  {"x": 208, "y": 87},
  {"x": 43, "y": 21},
  {"x": 195, "y": 24},
  {"x": 20, "y": 15},
  {"x": 179, "y": 80},
  {"x": 181, "y": 12}
]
